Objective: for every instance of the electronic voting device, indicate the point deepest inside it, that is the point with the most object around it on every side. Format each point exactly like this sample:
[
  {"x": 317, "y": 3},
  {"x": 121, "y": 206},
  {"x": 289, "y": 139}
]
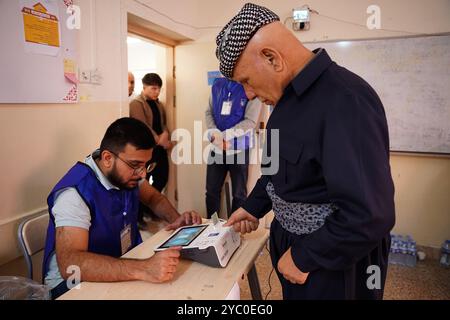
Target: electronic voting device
[{"x": 210, "y": 244}]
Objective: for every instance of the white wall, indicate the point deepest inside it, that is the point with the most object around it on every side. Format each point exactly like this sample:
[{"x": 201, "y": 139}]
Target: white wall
[
  {"x": 158, "y": 12},
  {"x": 415, "y": 16}
]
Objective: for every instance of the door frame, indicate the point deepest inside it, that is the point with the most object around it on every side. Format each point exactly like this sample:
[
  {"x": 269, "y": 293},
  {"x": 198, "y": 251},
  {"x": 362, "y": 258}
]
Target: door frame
[{"x": 169, "y": 82}]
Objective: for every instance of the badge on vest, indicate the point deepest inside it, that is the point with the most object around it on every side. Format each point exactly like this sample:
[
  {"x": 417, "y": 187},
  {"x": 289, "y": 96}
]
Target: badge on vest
[
  {"x": 125, "y": 238},
  {"x": 226, "y": 108}
]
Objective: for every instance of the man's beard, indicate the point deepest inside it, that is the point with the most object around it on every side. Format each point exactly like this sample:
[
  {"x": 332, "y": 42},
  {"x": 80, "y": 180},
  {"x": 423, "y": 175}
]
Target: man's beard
[{"x": 115, "y": 179}]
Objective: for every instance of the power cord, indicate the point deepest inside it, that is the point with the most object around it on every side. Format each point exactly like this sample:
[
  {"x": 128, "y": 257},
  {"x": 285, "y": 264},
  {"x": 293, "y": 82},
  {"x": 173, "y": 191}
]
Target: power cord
[
  {"x": 288, "y": 18},
  {"x": 350, "y": 22},
  {"x": 270, "y": 275},
  {"x": 173, "y": 20}
]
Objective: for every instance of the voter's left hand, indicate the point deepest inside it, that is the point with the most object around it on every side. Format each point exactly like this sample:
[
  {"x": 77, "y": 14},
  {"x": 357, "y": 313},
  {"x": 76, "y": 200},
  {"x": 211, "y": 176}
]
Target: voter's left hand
[
  {"x": 185, "y": 219},
  {"x": 289, "y": 270}
]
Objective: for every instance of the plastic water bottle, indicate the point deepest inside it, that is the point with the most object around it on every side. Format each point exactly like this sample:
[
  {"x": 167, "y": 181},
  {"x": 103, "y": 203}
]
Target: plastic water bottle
[
  {"x": 445, "y": 254},
  {"x": 399, "y": 249},
  {"x": 393, "y": 253},
  {"x": 403, "y": 251},
  {"x": 397, "y": 256},
  {"x": 411, "y": 258}
]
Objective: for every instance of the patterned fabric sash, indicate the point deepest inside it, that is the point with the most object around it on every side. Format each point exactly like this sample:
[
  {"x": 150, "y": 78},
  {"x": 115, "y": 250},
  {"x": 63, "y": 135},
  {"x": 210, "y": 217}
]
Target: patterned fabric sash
[{"x": 297, "y": 217}]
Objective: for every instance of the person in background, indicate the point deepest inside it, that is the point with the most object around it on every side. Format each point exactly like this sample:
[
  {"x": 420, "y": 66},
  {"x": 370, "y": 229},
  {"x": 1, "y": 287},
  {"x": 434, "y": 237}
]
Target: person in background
[
  {"x": 231, "y": 118},
  {"x": 333, "y": 194},
  {"x": 93, "y": 214},
  {"x": 130, "y": 86},
  {"x": 148, "y": 109}
]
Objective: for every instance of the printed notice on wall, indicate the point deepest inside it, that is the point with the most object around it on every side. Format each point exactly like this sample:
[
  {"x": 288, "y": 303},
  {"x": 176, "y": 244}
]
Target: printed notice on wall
[
  {"x": 41, "y": 26},
  {"x": 69, "y": 70}
]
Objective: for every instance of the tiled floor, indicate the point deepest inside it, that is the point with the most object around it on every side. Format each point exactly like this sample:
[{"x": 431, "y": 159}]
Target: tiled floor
[{"x": 427, "y": 281}]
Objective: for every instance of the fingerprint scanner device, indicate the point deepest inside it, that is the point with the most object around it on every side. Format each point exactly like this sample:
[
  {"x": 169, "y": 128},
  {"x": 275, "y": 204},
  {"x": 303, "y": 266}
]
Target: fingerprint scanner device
[{"x": 210, "y": 244}]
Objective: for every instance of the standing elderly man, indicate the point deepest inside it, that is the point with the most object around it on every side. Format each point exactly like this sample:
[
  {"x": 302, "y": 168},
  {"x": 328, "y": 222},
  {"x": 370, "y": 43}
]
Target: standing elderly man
[{"x": 333, "y": 195}]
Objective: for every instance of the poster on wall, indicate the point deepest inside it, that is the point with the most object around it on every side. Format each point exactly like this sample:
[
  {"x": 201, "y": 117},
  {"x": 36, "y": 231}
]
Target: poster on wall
[
  {"x": 41, "y": 26},
  {"x": 39, "y": 48}
]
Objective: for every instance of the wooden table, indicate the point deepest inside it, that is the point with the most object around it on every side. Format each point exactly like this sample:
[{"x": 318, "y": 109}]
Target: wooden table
[{"x": 192, "y": 280}]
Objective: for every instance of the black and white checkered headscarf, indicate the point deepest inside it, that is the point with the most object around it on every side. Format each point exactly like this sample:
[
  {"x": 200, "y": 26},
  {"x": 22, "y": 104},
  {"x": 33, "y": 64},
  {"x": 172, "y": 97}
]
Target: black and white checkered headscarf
[{"x": 234, "y": 37}]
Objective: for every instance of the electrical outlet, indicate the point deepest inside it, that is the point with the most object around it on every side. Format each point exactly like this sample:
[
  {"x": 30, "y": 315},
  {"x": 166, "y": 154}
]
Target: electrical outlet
[
  {"x": 84, "y": 76},
  {"x": 96, "y": 77}
]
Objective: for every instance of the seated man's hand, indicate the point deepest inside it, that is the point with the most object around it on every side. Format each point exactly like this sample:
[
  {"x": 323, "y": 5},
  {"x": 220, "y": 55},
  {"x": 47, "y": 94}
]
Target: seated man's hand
[
  {"x": 289, "y": 270},
  {"x": 161, "y": 266},
  {"x": 242, "y": 221},
  {"x": 185, "y": 219}
]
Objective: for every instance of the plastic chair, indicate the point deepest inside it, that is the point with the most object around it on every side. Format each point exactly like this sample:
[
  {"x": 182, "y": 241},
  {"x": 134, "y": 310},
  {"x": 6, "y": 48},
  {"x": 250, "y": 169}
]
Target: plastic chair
[{"x": 31, "y": 235}]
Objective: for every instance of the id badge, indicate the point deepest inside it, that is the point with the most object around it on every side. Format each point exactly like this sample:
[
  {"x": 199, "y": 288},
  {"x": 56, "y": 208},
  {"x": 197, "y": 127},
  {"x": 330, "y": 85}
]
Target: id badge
[
  {"x": 226, "y": 108},
  {"x": 125, "y": 238}
]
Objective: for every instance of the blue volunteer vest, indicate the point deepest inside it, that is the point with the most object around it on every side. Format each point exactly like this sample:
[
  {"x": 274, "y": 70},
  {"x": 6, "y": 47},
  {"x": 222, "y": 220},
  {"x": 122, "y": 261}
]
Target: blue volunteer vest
[
  {"x": 107, "y": 209},
  {"x": 227, "y": 90}
]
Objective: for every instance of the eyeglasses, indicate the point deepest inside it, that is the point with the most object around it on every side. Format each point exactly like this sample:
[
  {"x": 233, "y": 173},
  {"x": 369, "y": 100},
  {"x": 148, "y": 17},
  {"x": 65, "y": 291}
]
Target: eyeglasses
[{"x": 137, "y": 170}]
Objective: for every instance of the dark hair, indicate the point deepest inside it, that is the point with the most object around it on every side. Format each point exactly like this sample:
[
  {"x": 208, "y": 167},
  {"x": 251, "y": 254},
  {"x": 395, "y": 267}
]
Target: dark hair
[
  {"x": 152, "y": 79},
  {"x": 124, "y": 131}
]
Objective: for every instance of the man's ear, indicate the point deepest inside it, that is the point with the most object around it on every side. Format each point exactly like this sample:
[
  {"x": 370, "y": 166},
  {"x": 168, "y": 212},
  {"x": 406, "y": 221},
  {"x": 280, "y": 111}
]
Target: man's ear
[
  {"x": 273, "y": 58},
  {"x": 107, "y": 158}
]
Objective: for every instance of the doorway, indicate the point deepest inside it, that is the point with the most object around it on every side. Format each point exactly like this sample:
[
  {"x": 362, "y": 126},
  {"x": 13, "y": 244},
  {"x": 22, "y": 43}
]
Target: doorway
[{"x": 148, "y": 55}]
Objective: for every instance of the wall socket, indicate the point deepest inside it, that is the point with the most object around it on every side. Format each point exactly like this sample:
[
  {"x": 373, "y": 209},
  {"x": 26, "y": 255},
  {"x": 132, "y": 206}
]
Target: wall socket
[
  {"x": 90, "y": 76},
  {"x": 96, "y": 77},
  {"x": 84, "y": 76}
]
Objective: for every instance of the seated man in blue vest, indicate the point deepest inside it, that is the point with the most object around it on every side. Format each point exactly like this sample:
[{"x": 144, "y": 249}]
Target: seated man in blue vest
[
  {"x": 231, "y": 119},
  {"x": 93, "y": 214}
]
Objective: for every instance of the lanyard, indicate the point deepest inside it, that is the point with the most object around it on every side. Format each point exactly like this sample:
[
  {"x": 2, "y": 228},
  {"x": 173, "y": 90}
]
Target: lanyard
[
  {"x": 125, "y": 211},
  {"x": 229, "y": 89}
]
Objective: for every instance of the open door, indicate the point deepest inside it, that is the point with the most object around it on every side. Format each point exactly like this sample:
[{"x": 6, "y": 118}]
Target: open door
[{"x": 150, "y": 52}]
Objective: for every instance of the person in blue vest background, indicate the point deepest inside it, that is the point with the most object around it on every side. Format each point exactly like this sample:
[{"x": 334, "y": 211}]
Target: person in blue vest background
[
  {"x": 231, "y": 118},
  {"x": 93, "y": 214}
]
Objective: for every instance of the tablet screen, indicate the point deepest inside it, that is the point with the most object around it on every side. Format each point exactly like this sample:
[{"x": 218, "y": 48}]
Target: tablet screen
[{"x": 183, "y": 237}]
